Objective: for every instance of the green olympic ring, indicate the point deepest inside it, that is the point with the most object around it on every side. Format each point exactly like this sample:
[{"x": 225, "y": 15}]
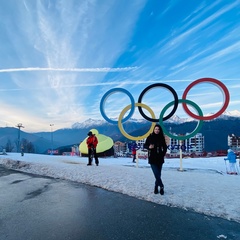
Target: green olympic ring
[{"x": 192, "y": 134}]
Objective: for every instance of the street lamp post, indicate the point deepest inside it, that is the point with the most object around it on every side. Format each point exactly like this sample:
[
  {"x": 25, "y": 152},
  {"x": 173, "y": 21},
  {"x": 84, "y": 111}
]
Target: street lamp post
[
  {"x": 51, "y": 125},
  {"x": 19, "y": 129}
]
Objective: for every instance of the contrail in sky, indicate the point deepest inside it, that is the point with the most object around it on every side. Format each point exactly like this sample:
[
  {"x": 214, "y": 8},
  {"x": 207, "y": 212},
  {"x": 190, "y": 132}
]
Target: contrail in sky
[{"x": 68, "y": 69}]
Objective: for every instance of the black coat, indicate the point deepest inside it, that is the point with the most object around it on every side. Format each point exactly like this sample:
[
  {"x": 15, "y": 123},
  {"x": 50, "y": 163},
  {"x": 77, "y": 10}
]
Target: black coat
[{"x": 156, "y": 154}]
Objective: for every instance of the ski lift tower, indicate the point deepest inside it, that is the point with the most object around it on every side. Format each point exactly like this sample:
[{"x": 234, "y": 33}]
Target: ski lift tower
[{"x": 19, "y": 130}]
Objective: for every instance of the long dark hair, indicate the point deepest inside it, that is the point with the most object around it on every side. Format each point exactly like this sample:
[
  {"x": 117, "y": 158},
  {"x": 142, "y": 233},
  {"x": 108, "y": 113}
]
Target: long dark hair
[{"x": 160, "y": 128}]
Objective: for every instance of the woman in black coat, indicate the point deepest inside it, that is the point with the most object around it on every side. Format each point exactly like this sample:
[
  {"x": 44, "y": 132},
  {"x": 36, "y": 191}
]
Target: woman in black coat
[{"x": 157, "y": 148}]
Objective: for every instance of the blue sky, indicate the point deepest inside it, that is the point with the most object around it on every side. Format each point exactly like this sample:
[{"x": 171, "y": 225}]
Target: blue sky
[{"x": 58, "y": 58}]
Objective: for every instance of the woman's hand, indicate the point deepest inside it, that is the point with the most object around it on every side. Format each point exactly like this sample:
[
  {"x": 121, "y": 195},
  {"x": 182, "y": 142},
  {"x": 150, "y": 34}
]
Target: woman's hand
[{"x": 151, "y": 146}]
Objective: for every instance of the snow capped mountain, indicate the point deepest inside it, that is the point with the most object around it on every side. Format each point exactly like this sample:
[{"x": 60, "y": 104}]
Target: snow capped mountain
[
  {"x": 177, "y": 120},
  {"x": 88, "y": 123},
  {"x": 226, "y": 115},
  {"x": 91, "y": 122},
  {"x": 234, "y": 113},
  {"x": 137, "y": 120},
  {"x": 174, "y": 119}
]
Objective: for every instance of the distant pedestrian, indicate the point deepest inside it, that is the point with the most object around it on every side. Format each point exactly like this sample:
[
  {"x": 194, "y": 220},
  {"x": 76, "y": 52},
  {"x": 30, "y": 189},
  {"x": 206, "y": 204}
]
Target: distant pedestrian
[
  {"x": 22, "y": 150},
  {"x": 231, "y": 157},
  {"x": 157, "y": 148},
  {"x": 92, "y": 142},
  {"x": 134, "y": 152}
]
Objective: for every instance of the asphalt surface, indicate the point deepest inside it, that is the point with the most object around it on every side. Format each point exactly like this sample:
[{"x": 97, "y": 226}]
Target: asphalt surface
[{"x": 41, "y": 208}]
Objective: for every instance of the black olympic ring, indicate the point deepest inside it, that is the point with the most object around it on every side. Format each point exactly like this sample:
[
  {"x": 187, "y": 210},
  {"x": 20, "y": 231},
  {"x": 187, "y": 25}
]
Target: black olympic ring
[{"x": 153, "y": 86}]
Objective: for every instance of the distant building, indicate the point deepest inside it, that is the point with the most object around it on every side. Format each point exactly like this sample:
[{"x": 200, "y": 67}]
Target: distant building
[
  {"x": 193, "y": 145},
  {"x": 140, "y": 143},
  {"x": 197, "y": 143},
  {"x": 234, "y": 142},
  {"x": 120, "y": 149}
]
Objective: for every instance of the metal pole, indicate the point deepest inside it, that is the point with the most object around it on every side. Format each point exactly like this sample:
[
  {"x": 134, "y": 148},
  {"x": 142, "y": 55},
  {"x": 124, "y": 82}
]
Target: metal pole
[
  {"x": 19, "y": 129},
  {"x": 180, "y": 152},
  {"x": 137, "y": 160},
  {"x": 51, "y": 125}
]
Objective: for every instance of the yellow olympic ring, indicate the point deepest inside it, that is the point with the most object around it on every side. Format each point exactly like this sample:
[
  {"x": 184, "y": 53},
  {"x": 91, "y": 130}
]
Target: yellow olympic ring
[{"x": 121, "y": 117}]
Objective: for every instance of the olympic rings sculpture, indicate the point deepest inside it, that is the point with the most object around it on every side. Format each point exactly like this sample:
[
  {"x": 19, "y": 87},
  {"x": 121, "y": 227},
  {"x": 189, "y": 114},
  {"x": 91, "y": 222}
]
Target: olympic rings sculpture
[{"x": 175, "y": 104}]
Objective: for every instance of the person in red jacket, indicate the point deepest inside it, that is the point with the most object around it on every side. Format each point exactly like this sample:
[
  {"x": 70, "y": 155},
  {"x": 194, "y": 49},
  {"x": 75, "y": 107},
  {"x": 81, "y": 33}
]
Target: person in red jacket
[
  {"x": 134, "y": 152},
  {"x": 92, "y": 142}
]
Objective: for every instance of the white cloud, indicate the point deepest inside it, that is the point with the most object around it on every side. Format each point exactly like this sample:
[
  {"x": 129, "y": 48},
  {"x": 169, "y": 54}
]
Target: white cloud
[{"x": 68, "y": 69}]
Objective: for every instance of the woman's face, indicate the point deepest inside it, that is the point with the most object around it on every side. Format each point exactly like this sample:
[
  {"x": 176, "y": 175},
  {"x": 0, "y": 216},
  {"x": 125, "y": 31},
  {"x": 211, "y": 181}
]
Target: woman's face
[{"x": 156, "y": 130}]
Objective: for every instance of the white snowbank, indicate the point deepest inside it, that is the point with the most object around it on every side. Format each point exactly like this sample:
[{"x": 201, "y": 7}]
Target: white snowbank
[{"x": 203, "y": 186}]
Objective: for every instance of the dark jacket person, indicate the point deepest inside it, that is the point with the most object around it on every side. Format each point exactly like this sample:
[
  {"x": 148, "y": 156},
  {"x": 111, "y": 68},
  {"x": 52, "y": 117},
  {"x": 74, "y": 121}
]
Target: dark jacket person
[{"x": 157, "y": 148}]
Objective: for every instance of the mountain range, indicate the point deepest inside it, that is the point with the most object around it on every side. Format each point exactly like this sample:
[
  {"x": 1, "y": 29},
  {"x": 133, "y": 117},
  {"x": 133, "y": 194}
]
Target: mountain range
[{"x": 214, "y": 131}]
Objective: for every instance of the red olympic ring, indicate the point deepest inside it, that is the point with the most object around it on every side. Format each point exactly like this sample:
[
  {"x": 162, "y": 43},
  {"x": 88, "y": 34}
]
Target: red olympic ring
[{"x": 216, "y": 82}]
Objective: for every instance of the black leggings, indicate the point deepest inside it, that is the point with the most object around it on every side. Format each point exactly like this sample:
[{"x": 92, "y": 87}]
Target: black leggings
[{"x": 94, "y": 154}]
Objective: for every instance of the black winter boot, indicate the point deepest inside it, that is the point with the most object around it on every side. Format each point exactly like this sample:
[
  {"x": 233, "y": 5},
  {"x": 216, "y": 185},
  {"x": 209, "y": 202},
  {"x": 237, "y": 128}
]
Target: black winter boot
[
  {"x": 156, "y": 190},
  {"x": 161, "y": 190}
]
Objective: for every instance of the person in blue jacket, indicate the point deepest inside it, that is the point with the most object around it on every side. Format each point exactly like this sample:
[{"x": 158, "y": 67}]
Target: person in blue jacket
[{"x": 231, "y": 157}]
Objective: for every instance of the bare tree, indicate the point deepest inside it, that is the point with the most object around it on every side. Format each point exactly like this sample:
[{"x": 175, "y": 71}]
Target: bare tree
[
  {"x": 9, "y": 146},
  {"x": 28, "y": 146}
]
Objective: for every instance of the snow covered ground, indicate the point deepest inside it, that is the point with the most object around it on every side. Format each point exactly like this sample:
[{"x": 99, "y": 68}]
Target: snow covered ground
[{"x": 203, "y": 186}]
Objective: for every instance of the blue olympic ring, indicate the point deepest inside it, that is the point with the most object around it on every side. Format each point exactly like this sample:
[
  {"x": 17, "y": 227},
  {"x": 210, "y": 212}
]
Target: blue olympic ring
[{"x": 107, "y": 94}]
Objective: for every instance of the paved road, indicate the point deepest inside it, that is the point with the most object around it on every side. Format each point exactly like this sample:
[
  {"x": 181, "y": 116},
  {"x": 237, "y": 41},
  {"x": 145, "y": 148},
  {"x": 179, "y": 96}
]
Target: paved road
[{"x": 39, "y": 208}]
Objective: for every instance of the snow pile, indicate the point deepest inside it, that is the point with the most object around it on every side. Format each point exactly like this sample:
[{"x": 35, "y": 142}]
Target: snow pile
[{"x": 203, "y": 186}]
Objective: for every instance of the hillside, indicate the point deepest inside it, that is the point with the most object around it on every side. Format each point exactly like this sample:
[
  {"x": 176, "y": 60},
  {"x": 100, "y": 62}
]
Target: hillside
[{"x": 215, "y": 133}]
